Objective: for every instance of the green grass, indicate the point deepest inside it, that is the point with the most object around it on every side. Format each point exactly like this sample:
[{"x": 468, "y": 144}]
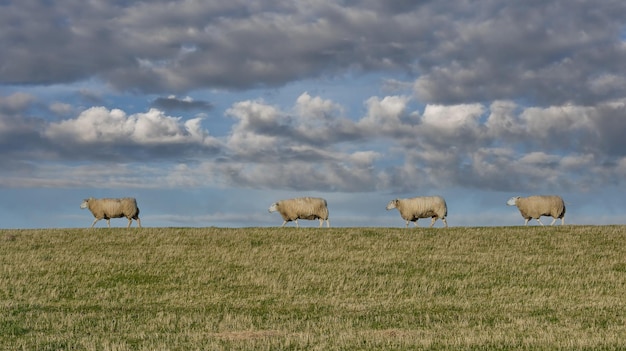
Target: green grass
[{"x": 500, "y": 288}]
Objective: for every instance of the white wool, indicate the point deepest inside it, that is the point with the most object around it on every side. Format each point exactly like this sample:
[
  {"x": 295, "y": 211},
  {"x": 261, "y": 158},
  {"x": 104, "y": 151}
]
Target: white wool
[
  {"x": 412, "y": 209},
  {"x": 108, "y": 208},
  {"x": 309, "y": 208},
  {"x": 539, "y": 205}
]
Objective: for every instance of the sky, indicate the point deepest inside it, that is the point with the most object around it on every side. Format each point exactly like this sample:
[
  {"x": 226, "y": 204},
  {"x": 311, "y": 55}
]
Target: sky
[{"x": 209, "y": 111}]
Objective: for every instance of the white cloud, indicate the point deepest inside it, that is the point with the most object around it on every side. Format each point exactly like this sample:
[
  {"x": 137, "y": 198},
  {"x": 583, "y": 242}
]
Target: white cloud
[
  {"x": 502, "y": 121},
  {"x": 453, "y": 117},
  {"x": 542, "y": 122},
  {"x": 311, "y": 110},
  {"x": 252, "y": 134},
  {"x": 312, "y": 145},
  {"x": 386, "y": 115},
  {"x": 101, "y": 125}
]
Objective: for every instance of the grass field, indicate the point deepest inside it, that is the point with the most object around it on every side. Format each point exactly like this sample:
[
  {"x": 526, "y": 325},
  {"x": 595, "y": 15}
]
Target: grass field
[{"x": 492, "y": 288}]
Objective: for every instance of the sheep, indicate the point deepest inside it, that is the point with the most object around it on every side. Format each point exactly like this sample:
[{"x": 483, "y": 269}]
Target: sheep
[
  {"x": 539, "y": 205},
  {"x": 112, "y": 208},
  {"x": 412, "y": 209},
  {"x": 302, "y": 208}
]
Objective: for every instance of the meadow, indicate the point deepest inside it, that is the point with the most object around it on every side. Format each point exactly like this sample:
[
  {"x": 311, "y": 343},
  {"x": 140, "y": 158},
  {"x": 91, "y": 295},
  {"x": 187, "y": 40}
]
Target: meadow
[{"x": 482, "y": 288}]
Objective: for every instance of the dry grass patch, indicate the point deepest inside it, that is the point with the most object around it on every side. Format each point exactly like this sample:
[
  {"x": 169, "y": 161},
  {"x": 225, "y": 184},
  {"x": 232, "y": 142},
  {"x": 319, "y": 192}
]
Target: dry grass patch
[{"x": 340, "y": 288}]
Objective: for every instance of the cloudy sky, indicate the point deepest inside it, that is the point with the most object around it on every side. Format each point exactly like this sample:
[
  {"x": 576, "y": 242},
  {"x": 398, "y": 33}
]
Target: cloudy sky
[{"x": 209, "y": 111}]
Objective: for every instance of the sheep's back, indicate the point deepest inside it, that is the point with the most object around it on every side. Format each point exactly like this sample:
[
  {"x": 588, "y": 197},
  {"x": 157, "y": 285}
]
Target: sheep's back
[{"x": 114, "y": 208}]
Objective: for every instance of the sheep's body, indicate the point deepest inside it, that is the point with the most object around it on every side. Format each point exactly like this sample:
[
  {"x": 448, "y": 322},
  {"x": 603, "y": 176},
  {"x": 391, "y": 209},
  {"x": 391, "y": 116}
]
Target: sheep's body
[
  {"x": 309, "y": 208},
  {"x": 415, "y": 208},
  {"x": 113, "y": 208},
  {"x": 539, "y": 205}
]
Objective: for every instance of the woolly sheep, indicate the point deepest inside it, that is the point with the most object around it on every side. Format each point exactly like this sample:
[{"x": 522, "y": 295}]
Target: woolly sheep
[
  {"x": 309, "y": 208},
  {"x": 539, "y": 205},
  {"x": 112, "y": 208},
  {"x": 412, "y": 209}
]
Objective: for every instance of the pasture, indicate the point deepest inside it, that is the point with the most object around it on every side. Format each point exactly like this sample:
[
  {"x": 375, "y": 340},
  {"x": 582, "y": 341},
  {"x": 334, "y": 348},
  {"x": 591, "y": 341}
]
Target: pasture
[{"x": 483, "y": 288}]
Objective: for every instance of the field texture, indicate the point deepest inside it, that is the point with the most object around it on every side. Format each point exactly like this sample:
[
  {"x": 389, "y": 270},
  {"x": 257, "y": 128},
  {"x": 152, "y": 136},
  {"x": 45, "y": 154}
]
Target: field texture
[{"x": 500, "y": 288}]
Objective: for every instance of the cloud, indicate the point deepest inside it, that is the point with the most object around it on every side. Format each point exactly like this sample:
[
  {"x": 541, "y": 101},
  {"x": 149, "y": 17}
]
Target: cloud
[
  {"x": 19, "y": 130},
  {"x": 60, "y": 108},
  {"x": 503, "y": 146},
  {"x": 394, "y": 145},
  {"x": 386, "y": 114},
  {"x": 113, "y": 135},
  {"x": 546, "y": 53},
  {"x": 172, "y": 103},
  {"x": 15, "y": 103},
  {"x": 100, "y": 125}
]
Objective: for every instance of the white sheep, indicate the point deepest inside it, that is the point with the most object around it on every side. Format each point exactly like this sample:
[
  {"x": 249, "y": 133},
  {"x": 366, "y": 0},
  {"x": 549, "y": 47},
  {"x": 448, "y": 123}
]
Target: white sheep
[
  {"x": 310, "y": 208},
  {"x": 415, "y": 208},
  {"x": 539, "y": 205},
  {"x": 112, "y": 208}
]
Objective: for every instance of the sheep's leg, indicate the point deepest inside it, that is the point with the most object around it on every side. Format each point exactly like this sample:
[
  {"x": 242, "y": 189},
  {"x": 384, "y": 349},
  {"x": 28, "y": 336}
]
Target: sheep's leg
[
  {"x": 553, "y": 220},
  {"x": 94, "y": 222},
  {"x": 108, "y": 222},
  {"x": 322, "y": 223},
  {"x": 130, "y": 221},
  {"x": 297, "y": 225},
  {"x": 284, "y": 222},
  {"x": 539, "y": 221},
  {"x": 138, "y": 222},
  {"x": 416, "y": 225},
  {"x": 562, "y": 220},
  {"x": 526, "y": 221},
  {"x": 432, "y": 222},
  {"x": 445, "y": 222}
]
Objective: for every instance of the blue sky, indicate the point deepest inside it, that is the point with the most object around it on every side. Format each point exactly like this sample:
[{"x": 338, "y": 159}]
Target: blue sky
[{"x": 209, "y": 111}]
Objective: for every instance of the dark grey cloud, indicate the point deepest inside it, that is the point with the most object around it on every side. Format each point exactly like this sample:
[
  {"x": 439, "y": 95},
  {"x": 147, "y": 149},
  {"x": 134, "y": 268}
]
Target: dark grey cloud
[
  {"x": 549, "y": 53},
  {"x": 544, "y": 52},
  {"x": 172, "y": 103},
  {"x": 16, "y": 103},
  {"x": 51, "y": 44}
]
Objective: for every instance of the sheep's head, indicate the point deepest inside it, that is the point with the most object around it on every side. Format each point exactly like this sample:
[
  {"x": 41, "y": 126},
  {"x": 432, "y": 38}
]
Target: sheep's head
[
  {"x": 512, "y": 201},
  {"x": 84, "y": 204},
  {"x": 392, "y": 204},
  {"x": 273, "y": 208}
]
